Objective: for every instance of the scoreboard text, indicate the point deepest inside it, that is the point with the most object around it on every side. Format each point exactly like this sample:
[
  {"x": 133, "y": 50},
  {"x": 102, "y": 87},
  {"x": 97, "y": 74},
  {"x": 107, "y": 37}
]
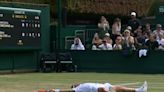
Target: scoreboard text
[{"x": 20, "y": 28}]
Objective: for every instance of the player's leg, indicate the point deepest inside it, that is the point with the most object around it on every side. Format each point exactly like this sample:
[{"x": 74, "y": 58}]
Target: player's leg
[
  {"x": 118, "y": 88},
  {"x": 143, "y": 88},
  {"x": 57, "y": 90}
]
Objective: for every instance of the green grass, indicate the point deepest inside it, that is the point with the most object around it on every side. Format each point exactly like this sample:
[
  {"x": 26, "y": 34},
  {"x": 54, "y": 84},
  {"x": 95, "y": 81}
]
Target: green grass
[{"x": 31, "y": 82}]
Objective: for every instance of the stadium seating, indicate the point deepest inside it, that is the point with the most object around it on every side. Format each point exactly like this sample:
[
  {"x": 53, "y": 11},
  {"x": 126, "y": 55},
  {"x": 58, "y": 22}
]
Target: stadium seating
[
  {"x": 49, "y": 62},
  {"x": 57, "y": 62},
  {"x": 65, "y": 62}
]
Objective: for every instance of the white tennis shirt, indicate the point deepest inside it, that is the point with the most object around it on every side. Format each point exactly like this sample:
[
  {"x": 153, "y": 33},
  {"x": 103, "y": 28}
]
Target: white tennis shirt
[{"x": 92, "y": 87}]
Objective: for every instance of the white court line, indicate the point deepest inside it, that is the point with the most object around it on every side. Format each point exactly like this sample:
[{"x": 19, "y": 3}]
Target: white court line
[
  {"x": 126, "y": 84},
  {"x": 151, "y": 85}
]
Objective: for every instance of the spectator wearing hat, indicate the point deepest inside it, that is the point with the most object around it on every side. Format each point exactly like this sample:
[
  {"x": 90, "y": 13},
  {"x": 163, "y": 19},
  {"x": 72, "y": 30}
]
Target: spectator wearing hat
[
  {"x": 134, "y": 22},
  {"x": 129, "y": 28},
  {"x": 107, "y": 37},
  {"x": 128, "y": 41},
  {"x": 158, "y": 31}
]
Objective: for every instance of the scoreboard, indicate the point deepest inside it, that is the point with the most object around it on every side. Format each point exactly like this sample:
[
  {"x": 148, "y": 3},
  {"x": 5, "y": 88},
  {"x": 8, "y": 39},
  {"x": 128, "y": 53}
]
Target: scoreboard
[{"x": 20, "y": 28}]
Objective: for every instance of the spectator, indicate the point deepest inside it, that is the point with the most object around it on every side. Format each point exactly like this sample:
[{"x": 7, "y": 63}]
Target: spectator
[
  {"x": 77, "y": 45},
  {"x": 116, "y": 28},
  {"x": 107, "y": 37},
  {"x": 134, "y": 22},
  {"x": 118, "y": 43},
  {"x": 151, "y": 43},
  {"x": 161, "y": 42},
  {"x": 139, "y": 40},
  {"x": 147, "y": 29},
  {"x": 129, "y": 28},
  {"x": 128, "y": 41},
  {"x": 105, "y": 45},
  {"x": 161, "y": 36},
  {"x": 138, "y": 30},
  {"x": 161, "y": 45},
  {"x": 158, "y": 31},
  {"x": 103, "y": 26},
  {"x": 96, "y": 41}
]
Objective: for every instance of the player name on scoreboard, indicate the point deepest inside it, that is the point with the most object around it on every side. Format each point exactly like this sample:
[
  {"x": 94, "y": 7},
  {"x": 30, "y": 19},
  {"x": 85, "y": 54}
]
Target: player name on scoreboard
[{"x": 20, "y": 27}]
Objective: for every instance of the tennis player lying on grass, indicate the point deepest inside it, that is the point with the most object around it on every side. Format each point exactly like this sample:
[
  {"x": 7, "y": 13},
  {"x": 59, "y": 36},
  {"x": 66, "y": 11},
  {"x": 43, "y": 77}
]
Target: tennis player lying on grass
[{"x": 97, "y": 87}]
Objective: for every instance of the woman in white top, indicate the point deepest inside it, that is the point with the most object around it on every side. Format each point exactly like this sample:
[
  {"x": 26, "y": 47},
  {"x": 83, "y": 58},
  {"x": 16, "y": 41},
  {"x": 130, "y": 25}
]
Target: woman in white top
[
  {"x": 103, "y": 25},
  {"x": 77, "y": 45},
  {"x": 116, "y": 27}
]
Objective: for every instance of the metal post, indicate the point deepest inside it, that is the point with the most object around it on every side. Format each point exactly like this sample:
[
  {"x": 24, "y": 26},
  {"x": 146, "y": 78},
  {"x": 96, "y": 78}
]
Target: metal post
[{"x": 59, "y": 23}]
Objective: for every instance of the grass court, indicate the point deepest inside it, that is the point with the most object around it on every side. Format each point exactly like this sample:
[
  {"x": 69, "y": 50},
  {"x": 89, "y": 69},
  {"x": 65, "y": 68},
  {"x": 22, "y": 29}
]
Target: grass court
[{"x": 31, "y": 82}]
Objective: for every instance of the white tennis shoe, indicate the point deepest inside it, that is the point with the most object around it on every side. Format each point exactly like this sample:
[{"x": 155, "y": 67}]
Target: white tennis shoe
[{"x": 143, "y": 88}]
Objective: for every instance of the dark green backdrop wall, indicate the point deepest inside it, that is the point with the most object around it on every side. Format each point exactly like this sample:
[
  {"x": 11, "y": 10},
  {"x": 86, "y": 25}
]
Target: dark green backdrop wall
[{"x": 115, "y": 61}]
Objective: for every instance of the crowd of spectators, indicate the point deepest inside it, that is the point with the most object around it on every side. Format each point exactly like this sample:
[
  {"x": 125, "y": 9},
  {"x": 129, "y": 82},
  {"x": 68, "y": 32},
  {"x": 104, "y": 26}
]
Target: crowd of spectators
[{"x": 134, "y": 37}]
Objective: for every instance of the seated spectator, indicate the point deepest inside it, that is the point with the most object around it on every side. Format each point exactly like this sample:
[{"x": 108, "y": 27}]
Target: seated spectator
[
  {"x": 116, "y": 28},
  {"x": 161, "y": 42},
  {"x": 138, "y": 30},
  {"x": 107, "y": 37},
  {"x": 77, "y": 45},
  {"x": 158, "y": 31},
  {"x": 128, "y": 41},
  {"x": 118, "y": 43},
  {"x": 129, "y": 28},
  {"x": 139, "y": 40},
  {"x": 161, "y": 36},
  {"x": 103, "y": 26},
  {"x": 96, "y": 41},
  {"x": 105, "y": 45},
  {"x": 161, "y": 45},
  {"x": 147, "y": 29},
  {"x": 151, "y": 43}
]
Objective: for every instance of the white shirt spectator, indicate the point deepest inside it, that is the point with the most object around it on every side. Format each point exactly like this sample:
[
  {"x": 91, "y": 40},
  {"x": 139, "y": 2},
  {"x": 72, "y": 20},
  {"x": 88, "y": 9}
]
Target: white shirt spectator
[
  {"x": 116, "y": 27},
  {"x": 94, "y": 47},
  {"x": 103, "y": 23},
  {"x": 105, "y": 46},
  {"x": 158, "y": 31},
  {"x": 161, "y": 45},
  {"x": 77, "y": 45}
]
